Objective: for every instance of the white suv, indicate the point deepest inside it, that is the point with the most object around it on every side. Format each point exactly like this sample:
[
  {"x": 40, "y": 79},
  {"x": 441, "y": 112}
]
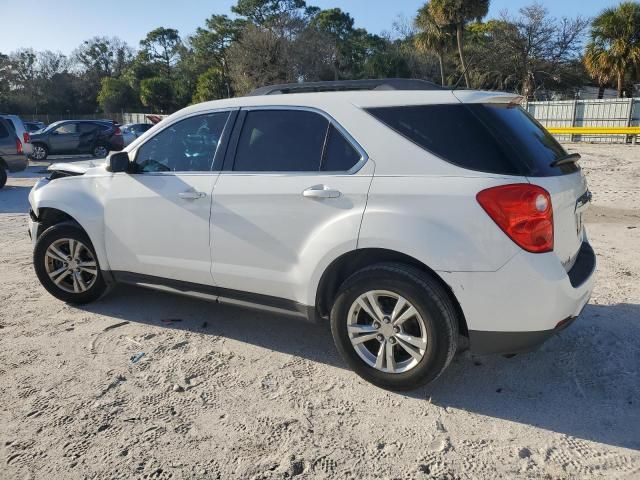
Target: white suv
[{"x": 416, "y": 219}]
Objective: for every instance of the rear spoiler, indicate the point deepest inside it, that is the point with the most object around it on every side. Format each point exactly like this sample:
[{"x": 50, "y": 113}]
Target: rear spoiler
[{"x": 470, "y": 96}]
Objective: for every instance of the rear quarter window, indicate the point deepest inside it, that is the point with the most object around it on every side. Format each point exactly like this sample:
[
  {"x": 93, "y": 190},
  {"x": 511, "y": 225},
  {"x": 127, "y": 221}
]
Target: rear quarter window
[{"x": 491, "y": 138}]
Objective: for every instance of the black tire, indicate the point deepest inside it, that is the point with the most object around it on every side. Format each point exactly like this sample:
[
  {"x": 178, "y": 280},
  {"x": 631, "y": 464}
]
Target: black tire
[
  {"x": 431, "y": 301},
  {"x": 44, "y": 152},
  {"x": 100, "y": 151},
  {"x": 55, "y": 233},
  {"x": 3, "y": 176}
]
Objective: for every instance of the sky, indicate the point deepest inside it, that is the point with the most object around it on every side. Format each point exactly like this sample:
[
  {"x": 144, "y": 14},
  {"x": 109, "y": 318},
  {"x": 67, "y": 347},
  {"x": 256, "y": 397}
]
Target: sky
[{"x": 62, "y": 25}]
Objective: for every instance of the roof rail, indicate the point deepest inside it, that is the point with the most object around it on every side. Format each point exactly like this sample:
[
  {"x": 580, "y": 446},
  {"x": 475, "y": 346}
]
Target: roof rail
[{"x": 347, "y": 85}]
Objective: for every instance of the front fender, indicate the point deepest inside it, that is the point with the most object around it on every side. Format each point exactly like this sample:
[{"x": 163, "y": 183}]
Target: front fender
[{"x": 80, "y": 197}]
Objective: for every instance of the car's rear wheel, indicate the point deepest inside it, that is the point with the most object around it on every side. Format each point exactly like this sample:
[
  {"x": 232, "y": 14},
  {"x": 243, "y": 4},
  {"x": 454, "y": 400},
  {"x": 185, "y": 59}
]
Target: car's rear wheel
[
  {"x": 100, "y": 151},
  {"x": 395, "y": 326},
  {"x": 40, "y": 152},
  {"x": 3, "y": 176},
  {"x": 67, "y": 266}
]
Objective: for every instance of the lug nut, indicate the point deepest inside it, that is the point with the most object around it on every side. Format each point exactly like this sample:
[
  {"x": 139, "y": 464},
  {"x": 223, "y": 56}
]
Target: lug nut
[
  {"x": 386, "y": 319},
  {"x": 392, "y": 341},
  {"x": 380, "y": 338},
  {"x": 376, "y": 325},
  {"x": 396, "y": 329}
]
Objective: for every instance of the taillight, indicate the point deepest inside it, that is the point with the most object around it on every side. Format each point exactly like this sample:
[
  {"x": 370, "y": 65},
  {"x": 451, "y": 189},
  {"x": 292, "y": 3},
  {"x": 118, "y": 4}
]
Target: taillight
[
  {"x": 18, "y": 145},
  {"x": 26, "y": 137},
  {"x": 524, "y": 212},
  {"x": 118, "y": 131}
]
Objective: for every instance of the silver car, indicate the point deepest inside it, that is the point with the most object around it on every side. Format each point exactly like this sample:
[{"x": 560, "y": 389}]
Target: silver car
[
  {"x": 21, "y": 131},
  {"x": 131, "y": 131},
  {"x": 12, "y": 156}
]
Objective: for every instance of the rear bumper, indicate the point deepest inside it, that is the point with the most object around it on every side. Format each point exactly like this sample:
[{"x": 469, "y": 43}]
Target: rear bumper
[
  {"x": 484, "y": 342},
  {"x": 16, "y": 163},
  {"x": 527, "y": 301}
]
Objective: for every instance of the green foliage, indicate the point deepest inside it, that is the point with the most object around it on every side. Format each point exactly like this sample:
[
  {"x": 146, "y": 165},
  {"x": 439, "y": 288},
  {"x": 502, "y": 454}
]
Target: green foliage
[
  {"x": 277, "y": 41},
  {"x": 212, "y": 85},
  {"x": 115, "y": 95},
  {"x": 614, "y": 48},
  {"x": 162, "y": 47},
  {"x": 157, "y": 94},
  {"x": 455, "y": 14}
]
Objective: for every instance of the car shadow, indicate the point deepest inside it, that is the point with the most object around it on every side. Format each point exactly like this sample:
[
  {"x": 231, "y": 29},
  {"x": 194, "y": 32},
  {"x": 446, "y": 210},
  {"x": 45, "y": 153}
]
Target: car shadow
[{"x": 582, "y": 383}]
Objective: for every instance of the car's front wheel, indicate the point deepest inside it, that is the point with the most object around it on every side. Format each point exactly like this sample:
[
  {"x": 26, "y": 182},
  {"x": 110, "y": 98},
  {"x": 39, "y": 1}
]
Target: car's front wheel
[
  {"x": 40, "y": 152},
  {"x": 395, "y": 326},
  {"x": 67, "y": 266}
]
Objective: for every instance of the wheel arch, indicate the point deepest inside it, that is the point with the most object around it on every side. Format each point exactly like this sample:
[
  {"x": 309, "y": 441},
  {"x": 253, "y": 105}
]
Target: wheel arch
[
  {"x": 350, "y": 262},
  {"x": 48, "y": 217}
]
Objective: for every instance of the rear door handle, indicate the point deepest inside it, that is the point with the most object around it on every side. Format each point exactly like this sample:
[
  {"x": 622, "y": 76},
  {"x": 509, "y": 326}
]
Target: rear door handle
[
  {"x": 321, "y": 191},
  {"x": 191, "y": 195}
]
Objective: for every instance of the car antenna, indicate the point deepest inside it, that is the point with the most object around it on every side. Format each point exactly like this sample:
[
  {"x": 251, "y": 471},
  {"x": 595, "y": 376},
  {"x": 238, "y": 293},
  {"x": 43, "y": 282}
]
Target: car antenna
[{"x": 463, "y": 73}]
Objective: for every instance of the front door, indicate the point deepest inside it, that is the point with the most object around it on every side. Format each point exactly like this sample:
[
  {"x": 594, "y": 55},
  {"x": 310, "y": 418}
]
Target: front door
[
  {"x": 65, "y": 138},
  {"x": 157, "y": 216},
  {"x": 290, "y": 197}
]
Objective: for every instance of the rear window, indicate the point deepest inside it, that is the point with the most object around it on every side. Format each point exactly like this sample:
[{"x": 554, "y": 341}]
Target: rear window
[{"x": 492, "y": 138}]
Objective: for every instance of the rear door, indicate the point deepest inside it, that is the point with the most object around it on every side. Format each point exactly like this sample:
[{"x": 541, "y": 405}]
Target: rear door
[
  {"x": 88, "y": 132},
  {"x": 289, "y": 175}
]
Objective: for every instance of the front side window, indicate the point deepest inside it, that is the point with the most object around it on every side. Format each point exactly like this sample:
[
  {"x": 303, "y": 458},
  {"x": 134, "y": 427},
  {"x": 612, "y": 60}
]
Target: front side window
[
  {"x": 67, "y": 128},
  {"x": 186, "y": 146},
  {"x": 281, "y": 141}
]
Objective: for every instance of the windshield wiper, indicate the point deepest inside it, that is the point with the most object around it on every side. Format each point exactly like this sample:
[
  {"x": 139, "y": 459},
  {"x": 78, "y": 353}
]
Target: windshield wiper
[{"x": 570, "y": 158}]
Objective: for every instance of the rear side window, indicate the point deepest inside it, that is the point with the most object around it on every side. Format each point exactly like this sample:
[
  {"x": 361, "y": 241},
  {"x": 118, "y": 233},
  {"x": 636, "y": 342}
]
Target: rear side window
[
  {"x": 87, "y": 127},
  {"x": 339, "y": 156},
  {"x": 4, "y": 133},
  {"x": 492, "y": 138},
  {"x": 281, "y": 141}
]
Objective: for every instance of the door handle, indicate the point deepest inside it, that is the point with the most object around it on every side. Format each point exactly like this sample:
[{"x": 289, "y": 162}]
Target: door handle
[
  {"x": 321, "y": 191},
  {"x": 191, "y": 195}
]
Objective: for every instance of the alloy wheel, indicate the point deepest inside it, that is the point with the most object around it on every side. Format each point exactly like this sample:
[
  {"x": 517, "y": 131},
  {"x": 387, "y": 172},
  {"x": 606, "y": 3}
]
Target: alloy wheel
[
  {"x": 38, "y": 152},
  {"x": 387, "y": 331},
  {"x": 71, "y": 266}
]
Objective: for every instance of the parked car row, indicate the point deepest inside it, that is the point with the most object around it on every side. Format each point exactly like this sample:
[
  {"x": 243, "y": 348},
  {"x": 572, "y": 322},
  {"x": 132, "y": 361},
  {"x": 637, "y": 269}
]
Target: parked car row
[
  {"x": 21, "y": 140},
  {"x": 98, "y": 137}
]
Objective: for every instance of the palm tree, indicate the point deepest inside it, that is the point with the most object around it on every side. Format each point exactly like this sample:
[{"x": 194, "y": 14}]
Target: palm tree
[
  {"x": 614, "y": 48},
  {"x": 431, "y": 38},
  {"x": 457, "y": 13}
]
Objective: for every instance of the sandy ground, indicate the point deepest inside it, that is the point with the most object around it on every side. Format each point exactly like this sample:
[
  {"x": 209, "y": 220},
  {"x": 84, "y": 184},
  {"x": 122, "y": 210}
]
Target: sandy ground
[{"x": 222, "y": 392}]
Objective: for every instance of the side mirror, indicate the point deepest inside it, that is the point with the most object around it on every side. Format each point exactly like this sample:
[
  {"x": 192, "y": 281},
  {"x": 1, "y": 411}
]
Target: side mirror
[{"x": 118, "y": 162}]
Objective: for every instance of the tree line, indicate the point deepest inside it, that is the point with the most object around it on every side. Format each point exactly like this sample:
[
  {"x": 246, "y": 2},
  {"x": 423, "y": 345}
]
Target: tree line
[{"x": 280, "y": 41}]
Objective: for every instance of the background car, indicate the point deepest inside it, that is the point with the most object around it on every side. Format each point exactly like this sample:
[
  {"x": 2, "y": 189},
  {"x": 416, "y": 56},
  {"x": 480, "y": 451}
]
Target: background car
[
  {"x": 77, "y": 136},
  {"x": 12, "y": 156},
  {"x": 131, "y": 131},
  {"x": 21, "y": 131},
  {"x": 34, "y": 126}
]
